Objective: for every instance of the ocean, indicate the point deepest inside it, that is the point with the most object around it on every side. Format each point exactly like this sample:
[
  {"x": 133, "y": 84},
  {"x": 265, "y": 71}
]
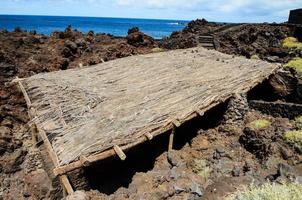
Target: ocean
[{"x": 115, "y": 26}]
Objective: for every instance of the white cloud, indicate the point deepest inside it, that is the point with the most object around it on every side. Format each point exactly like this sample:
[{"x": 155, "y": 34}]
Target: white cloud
[
  {"x": 221, "y": 6},
  {"x": 223, "y": 10}
]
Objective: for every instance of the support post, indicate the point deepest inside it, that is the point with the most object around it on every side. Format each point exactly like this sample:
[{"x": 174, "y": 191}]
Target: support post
[
  {"x": 66, "y": 184},
  {"x": 171, "y": 138},
  {"x": 33, "y": 130}
]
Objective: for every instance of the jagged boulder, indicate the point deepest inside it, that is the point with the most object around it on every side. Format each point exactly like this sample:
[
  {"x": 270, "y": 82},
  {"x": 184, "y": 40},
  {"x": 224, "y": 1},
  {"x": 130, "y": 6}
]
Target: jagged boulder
[{"x": 139, "y": 39}]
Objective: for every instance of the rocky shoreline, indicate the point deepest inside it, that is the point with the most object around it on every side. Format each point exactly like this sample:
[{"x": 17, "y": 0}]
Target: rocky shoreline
[{"x": 24, "y": 172}]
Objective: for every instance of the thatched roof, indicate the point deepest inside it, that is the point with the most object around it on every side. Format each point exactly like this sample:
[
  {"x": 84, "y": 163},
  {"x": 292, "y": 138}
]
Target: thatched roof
[{"x": 87, "y": 111}]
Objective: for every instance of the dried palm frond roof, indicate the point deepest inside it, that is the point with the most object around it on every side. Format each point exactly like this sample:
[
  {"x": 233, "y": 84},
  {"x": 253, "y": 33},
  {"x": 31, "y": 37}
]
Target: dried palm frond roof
[{"x": 87, "y": 111}]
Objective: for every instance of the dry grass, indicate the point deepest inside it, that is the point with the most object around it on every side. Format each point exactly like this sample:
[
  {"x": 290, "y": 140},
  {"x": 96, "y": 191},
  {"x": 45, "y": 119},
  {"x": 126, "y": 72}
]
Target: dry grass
[
  {"x": 268, "y": 191},
  {"x": 202, "y": 169}
]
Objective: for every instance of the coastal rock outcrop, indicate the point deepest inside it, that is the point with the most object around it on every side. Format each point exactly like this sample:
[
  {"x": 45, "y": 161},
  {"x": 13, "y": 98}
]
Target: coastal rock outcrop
[{"x": 138, "y": 39}]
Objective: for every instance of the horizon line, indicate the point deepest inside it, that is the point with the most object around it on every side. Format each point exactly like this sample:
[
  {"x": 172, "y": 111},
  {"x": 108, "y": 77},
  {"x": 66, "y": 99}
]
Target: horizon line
[{"x": 38, "y": 15}]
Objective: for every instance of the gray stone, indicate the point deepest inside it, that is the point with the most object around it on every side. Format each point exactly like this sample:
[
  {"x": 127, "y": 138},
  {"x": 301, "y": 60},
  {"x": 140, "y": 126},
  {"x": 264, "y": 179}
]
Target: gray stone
[
  {"x": 284, "y": 169},
  {"x": 174, "y": 174},
  {"x": 193, "y": 197},
  {"x": 173, "y": 159},
  {"x": 195, "y": 189},
  {"x": 299, "y": 180},
  {"x": 220, "y": 150},
  {"x": 236, "y": 171},
  {"x": 178, "y": 189},
  {"x": 272, "y": 58},
  {"x": 77, "y": 195}
]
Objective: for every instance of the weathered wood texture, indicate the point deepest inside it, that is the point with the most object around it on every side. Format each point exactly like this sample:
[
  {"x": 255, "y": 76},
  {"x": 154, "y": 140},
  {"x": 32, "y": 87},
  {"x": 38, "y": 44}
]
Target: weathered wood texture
[{"x": 87, "y": 111}]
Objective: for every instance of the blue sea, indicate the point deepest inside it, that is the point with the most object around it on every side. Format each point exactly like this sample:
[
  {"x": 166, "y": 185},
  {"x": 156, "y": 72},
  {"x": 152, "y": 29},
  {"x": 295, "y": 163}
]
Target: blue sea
[{"x": 115, "y": 26}]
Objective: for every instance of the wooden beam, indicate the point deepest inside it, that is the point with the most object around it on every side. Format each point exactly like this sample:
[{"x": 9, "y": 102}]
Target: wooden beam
[
  {"x": 119, "y": 152},
  {"x": 149, "y": 136},
  {"x": 26, "y": 97},
  {"x": 176, "y": 122},
  {"x": 48, "y": 146}
]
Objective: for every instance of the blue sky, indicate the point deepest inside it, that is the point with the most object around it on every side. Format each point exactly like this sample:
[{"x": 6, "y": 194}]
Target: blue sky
[{"x": 213, "y": 10}]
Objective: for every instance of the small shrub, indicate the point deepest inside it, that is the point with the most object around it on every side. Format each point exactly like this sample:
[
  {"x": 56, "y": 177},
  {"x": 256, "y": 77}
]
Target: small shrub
[
  {"x": 259, "y": 124},
  {"x": 255, "y": 57},
  {"x": 202, "y": 169},
  {"x": 156, "y": 50},
  {"x": 295, "y": 64},
  {"x": 268, "y": 191},
  {"x": 294, "y": 138},
  {"x": 291, "y": 43},
  {"x": 298, "y": 122}
]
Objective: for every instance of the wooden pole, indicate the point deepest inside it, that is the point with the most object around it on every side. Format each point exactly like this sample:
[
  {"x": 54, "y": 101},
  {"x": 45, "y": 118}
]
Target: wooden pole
[
  {"x": 66, "y": 184},
  {"x": 26, "y": 97},
  {"x": 176, "y": 122},
  {"x": 171, "y": 139},
  {"x": 149, "y": 136},
  {"x": 119, "y": 152}
]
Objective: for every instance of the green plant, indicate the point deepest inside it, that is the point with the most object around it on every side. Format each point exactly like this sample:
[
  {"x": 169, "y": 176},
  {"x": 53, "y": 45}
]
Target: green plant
[
  {"x": 298, "y": 122},
  {"x": 295, "y": 64},
  {"x": 291, "y": 43},
  {"x": 268, "y": 191},
  {"x": 157, "y": 49},
  {"x": 255, "y": 57},
  {"x": 294, "y": 138},
  {"x": 259, "y": 124},
  {"x": 202, "y": 169}
]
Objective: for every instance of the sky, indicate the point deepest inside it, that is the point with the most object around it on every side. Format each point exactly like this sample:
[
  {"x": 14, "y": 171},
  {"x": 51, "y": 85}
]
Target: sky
[{"x": 212, "y": 10}]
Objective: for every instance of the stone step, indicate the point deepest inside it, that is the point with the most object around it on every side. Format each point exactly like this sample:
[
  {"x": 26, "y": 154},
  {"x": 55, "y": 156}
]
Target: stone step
[
  {"x": 205, "y": 36},
  {"x": 207, "y": 44}
]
